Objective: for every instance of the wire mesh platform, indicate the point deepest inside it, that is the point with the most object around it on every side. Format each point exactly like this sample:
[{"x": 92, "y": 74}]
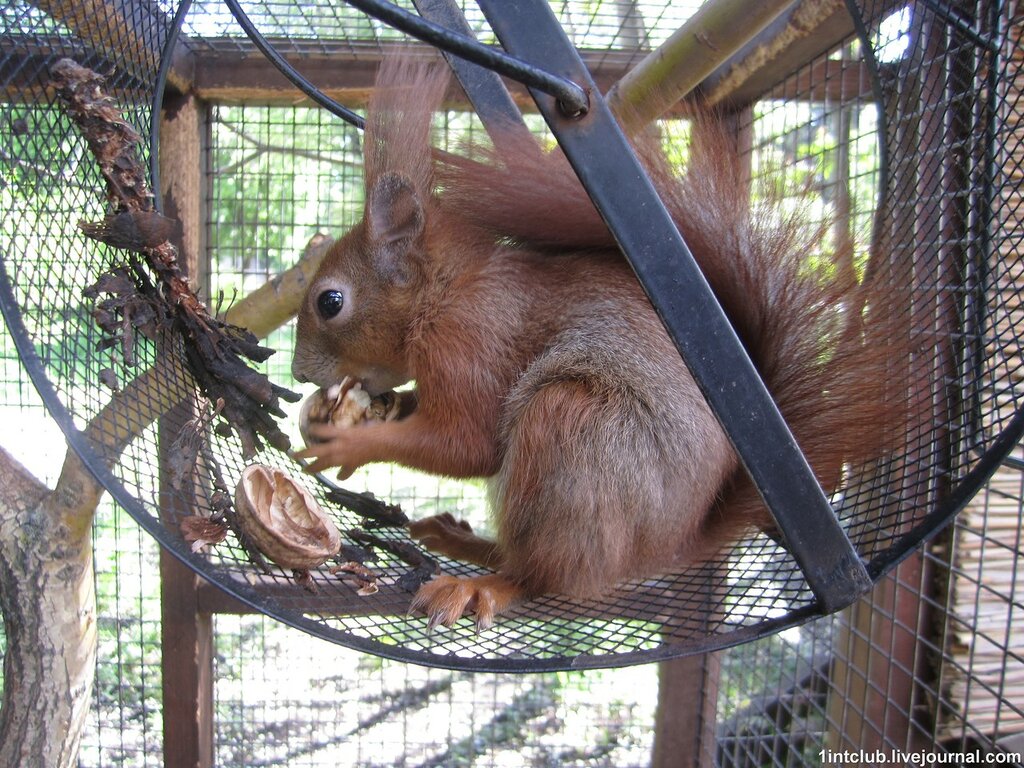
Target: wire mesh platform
[{"x": 929, "y": 109}]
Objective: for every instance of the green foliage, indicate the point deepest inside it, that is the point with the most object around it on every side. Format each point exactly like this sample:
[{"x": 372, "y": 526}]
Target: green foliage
[{"x": 277, "y": 174}]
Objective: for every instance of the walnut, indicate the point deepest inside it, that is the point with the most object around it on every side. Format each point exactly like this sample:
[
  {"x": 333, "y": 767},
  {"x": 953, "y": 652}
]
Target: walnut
[
  {"x": 283, "y": 520},
  {"x": 345, "y": 405}
]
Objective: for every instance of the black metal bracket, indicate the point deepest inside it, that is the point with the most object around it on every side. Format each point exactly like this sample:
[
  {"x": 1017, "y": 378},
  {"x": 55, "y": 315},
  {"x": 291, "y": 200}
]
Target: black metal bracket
[{"x": 613, "y": 176}]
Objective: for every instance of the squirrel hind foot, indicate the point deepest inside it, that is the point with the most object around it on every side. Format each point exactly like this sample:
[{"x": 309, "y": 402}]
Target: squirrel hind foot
[
  {"x": 446, "y": 599},
  {"x": 443, "y": 534}
]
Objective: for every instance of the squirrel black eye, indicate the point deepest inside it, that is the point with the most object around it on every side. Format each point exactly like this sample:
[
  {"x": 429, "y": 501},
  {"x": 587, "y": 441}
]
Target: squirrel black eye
[{"x": 329, "y": 303}]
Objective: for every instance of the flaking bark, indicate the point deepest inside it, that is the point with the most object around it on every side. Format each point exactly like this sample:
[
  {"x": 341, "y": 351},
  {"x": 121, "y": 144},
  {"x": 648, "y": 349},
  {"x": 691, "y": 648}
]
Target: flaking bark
[{"x": 49, "y": 610}]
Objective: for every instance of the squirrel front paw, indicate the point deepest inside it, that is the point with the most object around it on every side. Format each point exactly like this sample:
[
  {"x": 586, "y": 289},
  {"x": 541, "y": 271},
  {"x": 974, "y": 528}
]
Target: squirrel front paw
[
  {"x": 336, "y": 450},
  {"x": 446, "y": 599},
  {"x": 453, "y": 538},
  {"x": 348, "y": 448}
]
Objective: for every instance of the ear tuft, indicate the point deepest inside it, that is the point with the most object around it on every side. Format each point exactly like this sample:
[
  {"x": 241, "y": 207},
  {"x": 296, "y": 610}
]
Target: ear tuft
[{"x": 394, "y": 213}]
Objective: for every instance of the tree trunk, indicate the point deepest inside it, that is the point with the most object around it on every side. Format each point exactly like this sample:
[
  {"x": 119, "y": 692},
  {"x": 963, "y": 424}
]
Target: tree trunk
[
  {"x": 49, "y": 610},
  {"x": 47, "y": 592}
]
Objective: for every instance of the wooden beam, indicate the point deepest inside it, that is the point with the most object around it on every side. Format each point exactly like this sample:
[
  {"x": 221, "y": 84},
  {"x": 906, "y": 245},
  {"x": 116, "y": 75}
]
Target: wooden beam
[
  {"x": 805, "y": 31},
  {"x": 232, "y": 71},
  {"x": 122, "y": 30},
  {"x": 333, "y": 598},
  {"x": 242, "y": 75},
  {"x": 343, "y": 602}
]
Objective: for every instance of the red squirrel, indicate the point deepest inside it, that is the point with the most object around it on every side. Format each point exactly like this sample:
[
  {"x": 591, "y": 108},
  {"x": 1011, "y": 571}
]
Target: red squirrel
[{"x": 539, "y": 362}]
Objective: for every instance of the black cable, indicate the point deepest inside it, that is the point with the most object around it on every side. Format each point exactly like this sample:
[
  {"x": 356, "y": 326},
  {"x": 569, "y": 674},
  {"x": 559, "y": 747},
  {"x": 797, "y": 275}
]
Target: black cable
[{"x": 289, "y": 71}]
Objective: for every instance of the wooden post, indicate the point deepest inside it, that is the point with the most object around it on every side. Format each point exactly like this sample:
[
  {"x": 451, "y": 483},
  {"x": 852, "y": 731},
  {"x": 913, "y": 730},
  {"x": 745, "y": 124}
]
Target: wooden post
[
  {"x": 187, "y": 634},
  {"x": 684, "y": 724},
  {"x": 187, "y": 650},
  {"x": 872, "y": 697}
]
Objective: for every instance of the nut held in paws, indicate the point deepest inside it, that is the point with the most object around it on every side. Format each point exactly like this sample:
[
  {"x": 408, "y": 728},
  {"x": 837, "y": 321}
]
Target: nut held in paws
[{"x": 345, "y": 405}]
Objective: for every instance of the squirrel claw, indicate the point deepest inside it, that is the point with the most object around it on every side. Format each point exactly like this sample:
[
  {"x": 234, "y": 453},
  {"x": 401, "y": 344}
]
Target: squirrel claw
[
  {"x": 323, "y": 456},
  {"x": 446, "y": 599}
]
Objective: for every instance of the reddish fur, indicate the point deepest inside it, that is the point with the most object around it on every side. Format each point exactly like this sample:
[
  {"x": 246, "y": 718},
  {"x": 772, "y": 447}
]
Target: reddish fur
[{"x": 544, "y": 365}]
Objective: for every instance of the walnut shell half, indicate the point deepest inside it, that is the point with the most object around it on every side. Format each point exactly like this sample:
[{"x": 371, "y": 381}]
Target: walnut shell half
[
  {"x": 345, "y": 405},
  {"x": 283, "y": 520}
]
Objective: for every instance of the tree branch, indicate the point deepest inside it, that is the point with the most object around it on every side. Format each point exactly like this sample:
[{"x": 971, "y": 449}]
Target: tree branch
[
  {"x": 262, "y": 148},
  {"x": 47, "y": 594},
  {"x": 707, "y": 39},
  {"x": 150, "y": 294},
  {"x": 49, "y": 613}
]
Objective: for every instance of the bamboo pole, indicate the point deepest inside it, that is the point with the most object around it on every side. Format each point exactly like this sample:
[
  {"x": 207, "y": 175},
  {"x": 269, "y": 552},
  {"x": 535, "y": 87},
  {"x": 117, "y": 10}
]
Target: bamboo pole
[
  {"x": 706, "y": 41},
  {"x": 807, "y": 30},
  {"x": 277, "y": 301}
]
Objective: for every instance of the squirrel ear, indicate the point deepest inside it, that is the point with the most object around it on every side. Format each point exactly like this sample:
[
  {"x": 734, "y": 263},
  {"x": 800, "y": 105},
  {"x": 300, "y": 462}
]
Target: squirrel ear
[{"x": 393, "y": 210}]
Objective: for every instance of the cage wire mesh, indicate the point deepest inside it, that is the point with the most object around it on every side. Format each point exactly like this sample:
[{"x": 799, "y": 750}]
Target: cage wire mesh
[
  {"x": 281, "y": 698},
  {"x": 928, "y": 667},
  {"x": 929, "y": 105}
]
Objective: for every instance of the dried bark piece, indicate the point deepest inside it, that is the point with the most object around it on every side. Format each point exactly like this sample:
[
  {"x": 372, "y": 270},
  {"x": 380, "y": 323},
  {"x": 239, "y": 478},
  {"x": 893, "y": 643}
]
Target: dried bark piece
[
  {"x": 423, "y": 567},
  {"x": 283, "y": 520},
  {"x": 203, "y": 532},
  {"x": 365, "y": 579},
  {"x": 151, "y": 294},
  {"x": 376, "y": 513}
]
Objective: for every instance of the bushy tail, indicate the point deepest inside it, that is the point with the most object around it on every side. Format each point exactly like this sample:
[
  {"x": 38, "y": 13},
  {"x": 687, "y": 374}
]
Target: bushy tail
[{"x": 822, "y": 338}]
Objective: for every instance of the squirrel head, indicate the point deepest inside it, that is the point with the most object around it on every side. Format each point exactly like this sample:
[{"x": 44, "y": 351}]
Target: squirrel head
[{"x": 360, "y": 306}]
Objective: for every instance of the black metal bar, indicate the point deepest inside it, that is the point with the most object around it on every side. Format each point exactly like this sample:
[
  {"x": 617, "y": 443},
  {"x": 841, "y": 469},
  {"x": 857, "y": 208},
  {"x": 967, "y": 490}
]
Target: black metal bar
[
  {"x": 289, "y": 71},
  {"x": 606, "y": 164},
  {"x": 484, "y": 88},
  {"x": 572, "y": 97}
]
